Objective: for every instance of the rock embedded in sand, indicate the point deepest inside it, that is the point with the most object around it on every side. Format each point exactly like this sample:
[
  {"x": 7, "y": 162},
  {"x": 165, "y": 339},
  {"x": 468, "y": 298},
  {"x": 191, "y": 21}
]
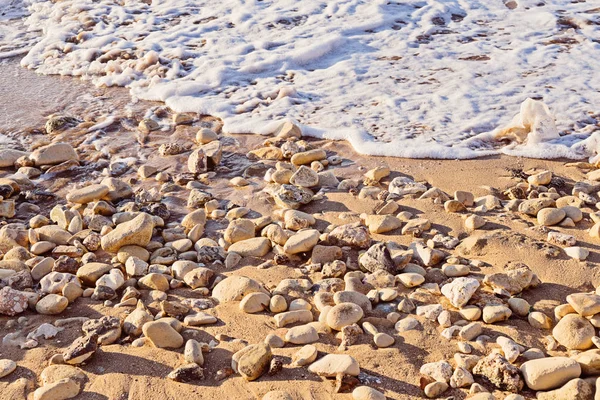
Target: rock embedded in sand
[
  {"x": 80, "y": 349},
  {"x": 137, "y": 231},
  {"x": 367, "y": 393},
  {"x": 302, "y": 334},
  {"x": 162, "y": 334},
  {"x": 574, "y": 332},
  {"x": 238, "y": 230},
  {"x": 205, "y": 135},
  {"x": 350, "y": 235},
  {"x": 62, "y": 389},
  {"x": 56, "y": 372},
  {"x": 550, "y": 372},
  {"x": 435, "y": 389},
  {"x": 187, "y": 373},
  {"x": 277, "y": 395},
  {"x": 54, "y": 153},
  {"x": 378, "y": 257}
]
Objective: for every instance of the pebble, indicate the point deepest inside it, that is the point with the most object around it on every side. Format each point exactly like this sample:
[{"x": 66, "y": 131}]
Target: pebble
[
  {"x": 550, "y": 372},
  {"x": 60, "y": 390},
  {"x": 343, "y": 314},
  {"x": 574, "y": 332},
  {"x": 162, "y": 334},
  {"x": 367, "y": 393},
  {"x": 7, "y": 367},
  {"x": 52, "y": 304}
]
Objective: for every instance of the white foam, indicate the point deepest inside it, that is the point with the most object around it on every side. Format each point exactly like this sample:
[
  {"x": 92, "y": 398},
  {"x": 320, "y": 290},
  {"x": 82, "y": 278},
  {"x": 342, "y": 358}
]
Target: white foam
[{"x": 395, "y": 78}]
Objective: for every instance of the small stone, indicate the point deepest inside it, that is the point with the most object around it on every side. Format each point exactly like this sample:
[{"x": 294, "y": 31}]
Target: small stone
[
  {"x": 187, "y": 373},
  {"x": 383, "y": 340},
  {"x": 460, "y": 290},
  {"x": 7, "y": 367},
  {"x": 499, "y": 372},
  {"x": 343, "y": 314},
  {"x": 435, "y": 389},
  {"x": 51, "y": 304},
  {"x": 498, "y": 313},
  {"x": 574, "y": 389},
  {"x": 60, "y": 390},
  {"x": 367, "y": 393},
  {"x": 539, "y": 320},
  {"x": 252, "y": 361},
  {"x": 254, "y": 302},
  {"x": 550, "y": 216}
]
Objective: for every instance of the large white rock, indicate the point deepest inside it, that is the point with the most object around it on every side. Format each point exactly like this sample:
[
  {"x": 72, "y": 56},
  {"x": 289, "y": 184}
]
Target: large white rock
[
  {"x": 460, "y": 290},
  {"x": 550, "y": 372}
]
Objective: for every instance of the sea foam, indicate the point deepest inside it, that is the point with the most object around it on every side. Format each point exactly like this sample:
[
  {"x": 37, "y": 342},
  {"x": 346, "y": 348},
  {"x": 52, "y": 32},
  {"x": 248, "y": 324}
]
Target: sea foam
[{"x": 420, "y": 78}]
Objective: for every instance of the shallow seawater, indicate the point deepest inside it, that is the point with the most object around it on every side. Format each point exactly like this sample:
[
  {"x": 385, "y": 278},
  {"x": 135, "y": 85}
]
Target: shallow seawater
[{"x": 421, "y": 76}]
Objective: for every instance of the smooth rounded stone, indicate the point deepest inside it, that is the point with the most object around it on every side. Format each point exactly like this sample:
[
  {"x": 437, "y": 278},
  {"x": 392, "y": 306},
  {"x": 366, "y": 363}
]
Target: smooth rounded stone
[
  {"x": 410, "y": 279},
  {"x": 87, "y": 194},
  {"x": 277, "y": 395},
  {"x": 435, "y": 389},
  {"x": 274, "y": 341},
  {"x": 454, "y": 206},
  {"x": 205, "y": 135},
  {"x": 255, "y": 302},
  {"x": 277, "y": 304},
  {"x": 460, "y": 290},
  {"x": 470, "y": 331},
  {"x": 539, "y": 320},
  {"x": 344, "y": 314},
  {"x": 441, "y": 371},
  {"x": 307, "y": 157},
  {"x": 574, "y": 332},
  {"x": 192, "y": 352},
  {"x": 407, "y": 324},
  {"x": 42, "y": 247},
  {"x": 52, "y": 304},
  {"x": 492, "y": 314},
  {"x": 455, "y": 270},
  {"x": 578, "y": 389},
  {"x": 235, "y": 287},
  {"x": 194, "y": 218},
  {"x": 519, "y": 306},
  {"x": 7, "y": 367},
  {"x": 296, "y": 220},
  {"x": 333, "y": 364},
  {"x": 252, "y": 361},
  {"x": 132, "y": 251},
  {"x": 8, "y": 157},
  {"x": 533, "y": 206},
  {"x": 550, "y": 372},
  {"x": 162, "y": 334},
  {"x": 306, "y": 355},
  {"x": 299, "y": 304},
  {"x": 347, "y": 296},
  {"x": 52, "y": 154},
  {"x": 585, "y": 304},
  {"x": 474, "y": 222},
  {"x": 60, "y": 390},
  {"x": 154, "y": 281},
  {"x": 550, "y": 216},
  {"x": 367, "y": 393},
  {"x": 573, "y": 212},
  {"x": 255, "y": 247},
  {"x": 387, "y": 295},
  {"x": 302, "y": 334},
  {"x": 302, "y": 241},
  {"x": 199, "y": 318},
  {"x": 89, "y": 273},
  {"x": 382, "y": 223},
  {"x": 56, "y": 372},
  {"x": 42, "y": 268},
  {"x": 293, "y": 317},
  {"x": 238, "y": 230},
  {"x": 383, "y": 340},
  {"x": 470, "y": 313},
  {"x": 589, "y": 362},
  {"x": 444, "y": 319}
]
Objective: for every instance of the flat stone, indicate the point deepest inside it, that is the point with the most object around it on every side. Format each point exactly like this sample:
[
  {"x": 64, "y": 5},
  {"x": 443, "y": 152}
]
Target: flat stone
[
  {"x": 333, "y": 364},
  {"x": 52, "y": 154}
]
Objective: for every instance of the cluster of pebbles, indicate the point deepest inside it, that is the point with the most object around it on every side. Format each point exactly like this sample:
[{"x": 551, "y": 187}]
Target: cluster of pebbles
[{"x": 118, "y": 243}]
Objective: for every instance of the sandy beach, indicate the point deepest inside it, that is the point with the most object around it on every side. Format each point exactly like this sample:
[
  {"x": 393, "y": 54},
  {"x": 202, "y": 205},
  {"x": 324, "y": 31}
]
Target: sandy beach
[{"x": 148, "y": 252}]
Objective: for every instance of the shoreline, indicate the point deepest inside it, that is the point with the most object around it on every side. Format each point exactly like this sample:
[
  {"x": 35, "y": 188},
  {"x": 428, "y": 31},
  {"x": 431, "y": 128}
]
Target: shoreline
[{"x": 121, "y": 370}]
